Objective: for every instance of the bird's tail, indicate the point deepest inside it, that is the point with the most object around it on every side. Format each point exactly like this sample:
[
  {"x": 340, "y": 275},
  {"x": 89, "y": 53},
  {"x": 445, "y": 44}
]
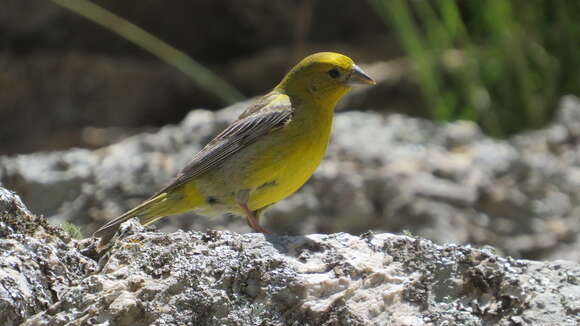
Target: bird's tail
[{"x": 148, "y": 212}]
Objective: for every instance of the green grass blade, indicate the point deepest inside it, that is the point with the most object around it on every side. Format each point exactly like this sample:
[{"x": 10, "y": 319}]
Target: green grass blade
[{"x": 202, "y": 76}]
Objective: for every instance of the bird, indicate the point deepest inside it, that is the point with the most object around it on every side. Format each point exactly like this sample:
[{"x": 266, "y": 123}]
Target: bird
[{"x": 264, "y": 156}]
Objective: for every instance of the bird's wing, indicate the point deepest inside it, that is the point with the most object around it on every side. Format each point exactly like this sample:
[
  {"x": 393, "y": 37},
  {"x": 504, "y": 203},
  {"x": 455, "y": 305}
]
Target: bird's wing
[{"x": 269, "y": 113}]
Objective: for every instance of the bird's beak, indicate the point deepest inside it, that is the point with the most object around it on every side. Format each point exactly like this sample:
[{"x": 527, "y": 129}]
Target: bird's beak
[{"x": 359, "y": 77}]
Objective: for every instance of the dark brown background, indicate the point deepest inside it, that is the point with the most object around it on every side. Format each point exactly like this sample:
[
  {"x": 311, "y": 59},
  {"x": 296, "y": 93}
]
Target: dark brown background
[{"x": 65, "y": 81}]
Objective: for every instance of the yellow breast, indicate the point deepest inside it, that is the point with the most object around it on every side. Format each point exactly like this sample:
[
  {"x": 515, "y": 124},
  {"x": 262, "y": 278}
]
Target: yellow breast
[{"x": 287, "y": 165}]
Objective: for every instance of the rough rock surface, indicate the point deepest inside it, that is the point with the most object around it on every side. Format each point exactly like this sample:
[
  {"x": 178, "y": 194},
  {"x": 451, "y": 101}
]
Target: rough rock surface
[
  {"x": 38, "y": 262},
  {"x": 445, "y": 182},
  {"x": 224, "y": 278}
]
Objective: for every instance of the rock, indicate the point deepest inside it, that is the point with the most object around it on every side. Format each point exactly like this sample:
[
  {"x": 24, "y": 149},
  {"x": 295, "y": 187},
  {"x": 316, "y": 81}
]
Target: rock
[
  {"x": 444, "y": 181},
  {"x": 225, "y": 278},
  {"x": 38, "y": 262}
]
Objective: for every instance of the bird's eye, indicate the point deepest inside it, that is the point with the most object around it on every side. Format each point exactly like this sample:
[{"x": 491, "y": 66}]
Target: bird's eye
[{"x": 334, "y": 73}]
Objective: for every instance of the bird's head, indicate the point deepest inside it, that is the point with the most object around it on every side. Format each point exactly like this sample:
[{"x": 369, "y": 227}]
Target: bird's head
[{"x": 324, "y": 76}]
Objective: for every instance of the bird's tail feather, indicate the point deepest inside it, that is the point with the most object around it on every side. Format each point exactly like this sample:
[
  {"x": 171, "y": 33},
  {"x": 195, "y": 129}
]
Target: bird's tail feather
[{"x": 148, "y": 212}]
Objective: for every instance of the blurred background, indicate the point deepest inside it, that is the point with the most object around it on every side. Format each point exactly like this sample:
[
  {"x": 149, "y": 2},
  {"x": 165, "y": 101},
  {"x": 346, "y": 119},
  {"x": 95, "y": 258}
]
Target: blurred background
[
  {"x": 78, "y": 71},
  {"x": 80, "y": 74},
  {"x": 84, "y": 81}
]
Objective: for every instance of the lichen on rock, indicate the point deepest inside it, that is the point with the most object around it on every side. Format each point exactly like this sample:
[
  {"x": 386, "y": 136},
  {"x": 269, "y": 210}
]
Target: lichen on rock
[
  {"x": 38, "y": 262},
  {"x": 225, "y": 278}
]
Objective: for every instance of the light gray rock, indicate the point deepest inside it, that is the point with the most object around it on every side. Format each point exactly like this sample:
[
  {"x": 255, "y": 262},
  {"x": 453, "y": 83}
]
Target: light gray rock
[
  {"x": 225, "y": 278},
  {"x": 447, "y": 182},
  {"x": 38, "y": 262}
]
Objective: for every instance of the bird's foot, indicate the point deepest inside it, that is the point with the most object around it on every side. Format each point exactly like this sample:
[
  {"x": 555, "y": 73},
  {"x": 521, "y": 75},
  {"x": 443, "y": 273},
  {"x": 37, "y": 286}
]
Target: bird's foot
[
  {"x": 253, "y": 220},
  {"x": 254, "y": 224}
]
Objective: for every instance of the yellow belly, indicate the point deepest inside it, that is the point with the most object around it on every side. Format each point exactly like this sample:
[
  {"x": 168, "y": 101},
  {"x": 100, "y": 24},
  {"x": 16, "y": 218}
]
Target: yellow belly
[
  {"x": 285, "y": 168},
  {"x": 271, "y": 169}
]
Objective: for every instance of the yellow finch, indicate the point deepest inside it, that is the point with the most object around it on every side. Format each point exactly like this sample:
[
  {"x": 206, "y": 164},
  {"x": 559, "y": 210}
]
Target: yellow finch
[{"x": 264, "y": 156}]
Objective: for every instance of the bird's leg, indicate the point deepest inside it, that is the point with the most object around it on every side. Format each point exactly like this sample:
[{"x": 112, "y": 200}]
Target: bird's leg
[
  {"x": 253, "y": 220},
  {"x": 251, "y": 217}
]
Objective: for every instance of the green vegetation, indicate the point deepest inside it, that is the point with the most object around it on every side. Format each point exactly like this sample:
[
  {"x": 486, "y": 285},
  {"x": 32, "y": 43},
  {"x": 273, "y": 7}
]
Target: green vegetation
[
  {"x": 72, "y": 230},
  {"x": 501, "y": 63},
  {"x": 201, "y": 75}
]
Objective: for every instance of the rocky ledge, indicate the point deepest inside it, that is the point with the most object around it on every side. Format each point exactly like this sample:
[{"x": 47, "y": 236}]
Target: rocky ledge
[
  {"x": 225, "y": 278},
  {"x": 447, "y": 182}
]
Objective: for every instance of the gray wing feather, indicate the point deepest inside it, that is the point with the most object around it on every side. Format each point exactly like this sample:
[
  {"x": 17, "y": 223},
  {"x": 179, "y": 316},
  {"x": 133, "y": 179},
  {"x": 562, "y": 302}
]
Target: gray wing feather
[{"x": 235, "y": 137}]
